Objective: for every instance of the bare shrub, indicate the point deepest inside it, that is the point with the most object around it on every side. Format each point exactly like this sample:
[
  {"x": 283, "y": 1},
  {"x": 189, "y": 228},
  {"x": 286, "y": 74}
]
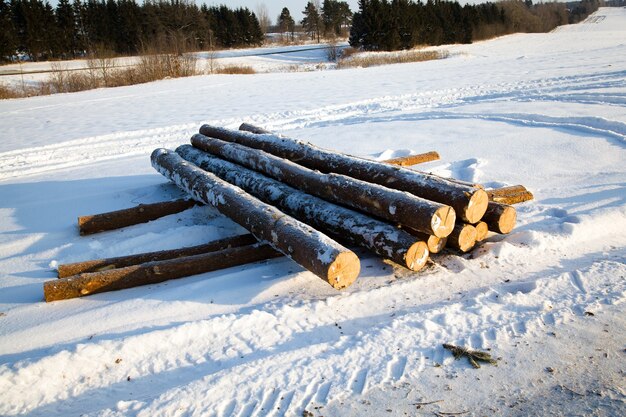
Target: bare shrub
[
  {"x": 236, "y": 69},
  {"x": 386, "y": 58},
  {"x": 333, "y": 52},
  {"x": 58, "y": 77},
  {"x": 348, "y": 52},
  {"x": 7, "y": 92}
]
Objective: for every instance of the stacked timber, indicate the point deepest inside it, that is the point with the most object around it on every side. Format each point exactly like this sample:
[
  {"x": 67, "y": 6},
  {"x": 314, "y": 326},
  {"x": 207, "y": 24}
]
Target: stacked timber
[
  {"x": 469, "y": 202},
  {"x": 299, "y": 201}
]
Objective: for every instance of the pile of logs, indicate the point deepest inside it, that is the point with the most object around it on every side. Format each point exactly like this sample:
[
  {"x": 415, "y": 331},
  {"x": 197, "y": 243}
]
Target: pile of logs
[{"x": 300, "y": 201}]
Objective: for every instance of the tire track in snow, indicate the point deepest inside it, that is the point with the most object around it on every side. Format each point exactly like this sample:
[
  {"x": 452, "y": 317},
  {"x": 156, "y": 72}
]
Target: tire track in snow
[
  {"x": 417, "y": 106},
  {"x": 210, "y": 364}
]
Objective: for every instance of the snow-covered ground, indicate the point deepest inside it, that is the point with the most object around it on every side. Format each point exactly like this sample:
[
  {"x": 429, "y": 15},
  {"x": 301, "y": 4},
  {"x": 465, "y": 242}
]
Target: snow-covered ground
[
  {"x": 544, "y": 110},
  {"x": 305, "y": 57}
]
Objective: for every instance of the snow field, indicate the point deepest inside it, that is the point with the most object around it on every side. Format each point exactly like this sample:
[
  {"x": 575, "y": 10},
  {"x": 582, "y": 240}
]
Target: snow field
[{"x": 544, "y": 110}]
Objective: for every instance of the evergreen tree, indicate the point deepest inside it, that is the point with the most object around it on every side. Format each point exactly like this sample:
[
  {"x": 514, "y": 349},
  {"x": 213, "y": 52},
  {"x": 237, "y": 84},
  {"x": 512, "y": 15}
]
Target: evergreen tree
[
  {"x": 286, "y": 22},
  {"x": 8, "y": 36},
  {"x": 66, "y": 24},
  {"x": 312, "y": 21}
]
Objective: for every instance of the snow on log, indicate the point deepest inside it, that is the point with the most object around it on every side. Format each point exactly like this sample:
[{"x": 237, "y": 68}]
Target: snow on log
[
  {"x": 463, "y": 237},
  {"x": 409, "y": 160},
  {"x": 395, "y": 206},
  {"x": 341, "y": 223},
  {"x": 510, "y": 195},
  {"x": 154, "y": 272},
  {"x": 127, "y": 217},
  {"x": 469, "y": 203},
  {"x": 311, "y": 249},
  {"x": 401, "y": 161},
  {"x": 500, "y": 218},
  {"x": 66, "y": 270},
  {"x": 482, "y": 230}
]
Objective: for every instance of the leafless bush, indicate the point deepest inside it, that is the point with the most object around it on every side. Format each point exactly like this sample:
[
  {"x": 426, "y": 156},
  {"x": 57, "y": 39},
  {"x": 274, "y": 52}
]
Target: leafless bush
[
  {"x": 348, "y": 52},
  {"x": 7, "y": 92},
  {"x": 236, "y": 69},
  {"x": 333, "y": 52},
  {"x": 386, "y": 58},
  {"x": 100, "y": 65},
  {"x": 58, "y": 77}
]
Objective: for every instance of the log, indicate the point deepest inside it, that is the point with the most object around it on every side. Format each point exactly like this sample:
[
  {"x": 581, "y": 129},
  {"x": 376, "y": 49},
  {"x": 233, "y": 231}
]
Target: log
[
  {"x": 468, "y": 202},
  {"x": 392, "y": 205},
  {"x": 127, "y": 217},
  {"x": 341, "y": 223},
  {"x": 66, "y": 270},
  {"x": 435, "y": 244},
  {"x": 401, "y": 161},
  {"x": 510, "y": 195},
  {"x": 463, "y": 237},
  {"x": 482, "y": 230},
  {"x": 154, "y": 272},
  {"x": 311, "y": 249},
  {"x": 500, "y": 218},
  {"x": 247, "y": 127},
  {"x": 410, "y": 160}
]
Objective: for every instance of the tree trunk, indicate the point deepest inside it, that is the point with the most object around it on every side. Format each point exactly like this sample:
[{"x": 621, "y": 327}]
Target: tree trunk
[
  {"x": 67, "y": 270},
  {"x": 469, "y": 203},
  {"x": 247, "y": 127},
  {"x": 510, "y": 195},
  {"x": 153, "y": 272},
  {"x": 409, "y": 160},
  {"x": 313, "y": 250},
  {"x": 127, "y": 217},
  {"x": 500, "y": 218},
  {"x": 395, "y": 206},
  {"x": 435, "y": 244},
  {"x": 463, "y": 237},
  {"x": 339, "y": 222},
  {"x": 482, "y": 230}
]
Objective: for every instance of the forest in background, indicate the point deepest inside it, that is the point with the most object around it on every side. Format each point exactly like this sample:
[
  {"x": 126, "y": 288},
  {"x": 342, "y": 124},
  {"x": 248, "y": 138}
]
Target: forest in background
[{"x": 34, "y": 30}]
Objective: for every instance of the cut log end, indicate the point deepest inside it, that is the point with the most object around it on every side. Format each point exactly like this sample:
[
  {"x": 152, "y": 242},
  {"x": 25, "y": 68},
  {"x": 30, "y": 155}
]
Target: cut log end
[
  {"x": 416, "y": 256},
  {"x": 482, "y": 230},
  {"x": 344, "y": 270},
  {"x": 476, "y": 207},
  {"x": 507, "y": 220},
  {"x": 443, "y": 221},
  {"x": 463, "y": 237},
  {"x": 436, "y": 244}
]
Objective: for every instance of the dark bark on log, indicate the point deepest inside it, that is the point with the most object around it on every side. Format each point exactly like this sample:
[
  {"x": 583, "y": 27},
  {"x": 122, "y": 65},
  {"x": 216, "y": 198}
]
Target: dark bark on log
[
  {"x": 482, "y": 230},
  {"x": 409, "y": 160},
  {"x": 313, "y": 250},
  {"x": 344, "y": 224},
  {"x": 403, "y": 161},
  {"x": 514, "y": 195},
  {"x": 463, "y": 237},
  {"x": 500, "y": 218},
  {"x": 97, "y": 265},
  {"x": 127, "y": 217},
  {"x": 247, "y": 127},
  {"x": 394, "y": 206},
  {"x": 154, "y": 272},
  {"x": 469, "y": 203}
]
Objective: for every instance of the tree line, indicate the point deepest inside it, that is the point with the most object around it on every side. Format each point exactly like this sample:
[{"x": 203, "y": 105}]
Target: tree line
[
  {"x": 404, "y": 24},
  {"x": 83, "y": 27},
  {"x": 123, "y": 27}
]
